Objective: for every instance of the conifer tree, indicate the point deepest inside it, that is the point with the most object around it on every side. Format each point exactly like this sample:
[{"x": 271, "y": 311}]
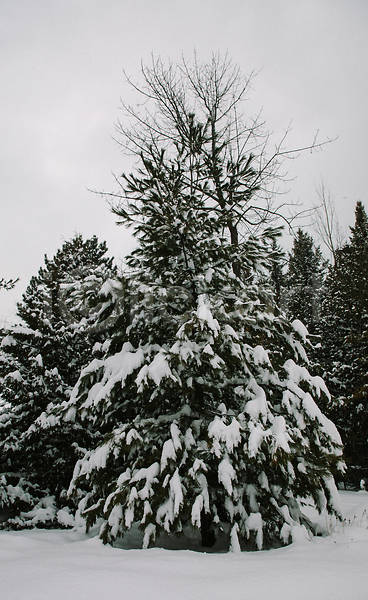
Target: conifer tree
[
  {"x": 344, "y": 352},
  {"x": 304, "y": 280},
  {"x": 209, "y": 410},
  {"x": 277, "y": 274},
  {"x": 40, "y": 361}
]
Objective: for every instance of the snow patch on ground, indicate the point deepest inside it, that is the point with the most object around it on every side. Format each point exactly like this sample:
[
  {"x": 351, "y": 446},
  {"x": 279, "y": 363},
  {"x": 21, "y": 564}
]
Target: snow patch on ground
[{"x": 57, "y": 564}]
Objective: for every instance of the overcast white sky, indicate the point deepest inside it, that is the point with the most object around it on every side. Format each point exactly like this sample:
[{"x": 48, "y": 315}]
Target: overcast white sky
[{"x": 61, "y": 72}]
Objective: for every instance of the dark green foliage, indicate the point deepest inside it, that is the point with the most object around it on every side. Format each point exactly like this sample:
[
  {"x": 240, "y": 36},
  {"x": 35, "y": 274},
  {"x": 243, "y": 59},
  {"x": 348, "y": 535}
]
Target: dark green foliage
[
  {"x": 40, "y": 361},
  {"x": 344, "y": 352},
  {"x": 277, "y": 274},
  {"x": 303, "y": 281}
]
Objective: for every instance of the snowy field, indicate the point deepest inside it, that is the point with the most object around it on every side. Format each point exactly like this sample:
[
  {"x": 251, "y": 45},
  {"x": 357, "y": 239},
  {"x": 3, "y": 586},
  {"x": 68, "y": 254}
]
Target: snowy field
[{"x": 66, "y": 565}]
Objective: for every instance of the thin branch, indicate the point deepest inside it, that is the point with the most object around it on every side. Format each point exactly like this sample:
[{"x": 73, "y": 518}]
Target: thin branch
[{"x": 8, "y": 284}]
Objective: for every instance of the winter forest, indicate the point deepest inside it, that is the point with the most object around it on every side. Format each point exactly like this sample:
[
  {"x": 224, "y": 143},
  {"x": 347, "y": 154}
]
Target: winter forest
[{"x": 216, "y": 385}]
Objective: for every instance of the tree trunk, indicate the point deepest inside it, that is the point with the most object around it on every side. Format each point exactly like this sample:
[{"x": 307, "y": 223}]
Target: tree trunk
[{"x": 208, "y": 536}]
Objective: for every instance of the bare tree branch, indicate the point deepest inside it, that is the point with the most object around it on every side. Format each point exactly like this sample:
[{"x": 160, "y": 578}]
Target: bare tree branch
[
  {"x": 9, "y": 284},
  {"x": 326, "y": 222},
  {"x": 194, "y": 112}
]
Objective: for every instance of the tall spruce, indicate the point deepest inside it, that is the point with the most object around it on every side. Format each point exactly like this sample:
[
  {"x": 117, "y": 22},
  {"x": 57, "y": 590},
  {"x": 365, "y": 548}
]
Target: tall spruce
[
  {"x": 344, "y": 352},
  {"x": 209, "y": 410},
  {"x": 303, "y": 281},
  {"x": 40, "y": 361},
  {"x": 277, "y": 274}
]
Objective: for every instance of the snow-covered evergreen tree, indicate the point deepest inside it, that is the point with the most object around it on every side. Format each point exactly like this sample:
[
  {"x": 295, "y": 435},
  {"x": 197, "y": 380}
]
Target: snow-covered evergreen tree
[
  {"x": 210, "y": 414},
  {"x": 344, "y": 352},
  {"x": 40, "y": 361}
]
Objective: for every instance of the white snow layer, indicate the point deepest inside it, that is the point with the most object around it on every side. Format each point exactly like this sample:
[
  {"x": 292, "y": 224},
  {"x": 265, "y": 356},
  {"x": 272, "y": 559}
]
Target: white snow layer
[
  {"x": 222, "y": 433},
  {"x": 298, "y": 373},
  {"x": 116, "y": 370},
  {"x": 300, "y": 328},
  {"x": 156, "y": 370},
  {"x": 260, "y": 356},
  {"x": 204, "y": 314},
  {"x": 15, "y": 375},
  {"x": 57, "y": 564},
  {"x": 8, "y": 340}
]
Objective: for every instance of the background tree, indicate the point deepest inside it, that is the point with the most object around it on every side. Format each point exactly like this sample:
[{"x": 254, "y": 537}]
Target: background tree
[
  {"x": 303, "y": 281},
  {"x": 326, "y": 222},
  {"x": 277, "y": 274},
  {"x": 40, "y": 361},
  {"x": 205, "y": 398},
  {"x": 344, "y": 352}
]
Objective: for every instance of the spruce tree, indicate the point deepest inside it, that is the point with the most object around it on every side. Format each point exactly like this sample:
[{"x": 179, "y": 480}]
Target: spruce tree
[
  {"x": 344, "y": 352},
  {"x": 210, "y": 413},
  {"x": 303, "y": 281},
  {"x": 40, "y": 361},
  {"x": 277, "y": 274}
]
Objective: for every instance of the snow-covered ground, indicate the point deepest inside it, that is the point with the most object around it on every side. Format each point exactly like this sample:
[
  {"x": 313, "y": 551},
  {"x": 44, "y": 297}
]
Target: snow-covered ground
[{"x": 67, "y": 565}]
